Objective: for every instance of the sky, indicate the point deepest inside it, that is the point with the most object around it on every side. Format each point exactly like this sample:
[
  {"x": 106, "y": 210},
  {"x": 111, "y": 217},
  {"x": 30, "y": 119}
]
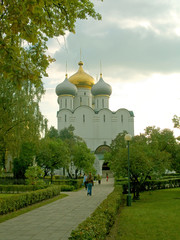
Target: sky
[{"x": 136, "y": 45}]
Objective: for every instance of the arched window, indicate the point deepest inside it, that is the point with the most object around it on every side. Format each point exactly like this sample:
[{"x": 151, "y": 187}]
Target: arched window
[
  {"x": 65, "y": 118},
  {"x": 83, "y": 118},
  {"x": 104, "y": 118},
  {"x": 122, "y": 118},
  {"x": 65, "y": 103},
  {"x": 102, "y": 103}
]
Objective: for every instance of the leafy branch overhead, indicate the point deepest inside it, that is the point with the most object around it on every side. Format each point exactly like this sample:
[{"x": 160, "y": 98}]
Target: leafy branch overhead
[{"x": 26, "y": 26}]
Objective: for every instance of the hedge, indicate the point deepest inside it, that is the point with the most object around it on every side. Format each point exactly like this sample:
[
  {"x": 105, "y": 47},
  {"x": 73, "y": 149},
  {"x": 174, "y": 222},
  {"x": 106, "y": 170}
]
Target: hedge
[
  {"x": 154, "y": 184},
  {"x": 98, "y": 225},
  {"x": 67, "y": 188},
  {"x": 77, "y": 183},
  {"x": 21, "y": 200},
  {"x": 19, "y": 188}
]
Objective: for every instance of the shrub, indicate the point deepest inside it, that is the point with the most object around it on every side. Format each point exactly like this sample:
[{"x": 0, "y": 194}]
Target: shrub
[
  {"x": 16, "y": 202},
  {"x": 76, "y": 183},
  {"x": 33, "y": 175},
  {"x": 67, "y": 188},
  {"x": 19, "y": 188},
  {"x": 97, "y": 226}
]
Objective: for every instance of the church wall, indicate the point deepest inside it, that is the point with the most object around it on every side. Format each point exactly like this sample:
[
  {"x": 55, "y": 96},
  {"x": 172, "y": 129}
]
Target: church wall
[
  {"x": 96, "y": 128},
  {"x": 83, "y": 97},
  {"x": 65, "y": 102}
]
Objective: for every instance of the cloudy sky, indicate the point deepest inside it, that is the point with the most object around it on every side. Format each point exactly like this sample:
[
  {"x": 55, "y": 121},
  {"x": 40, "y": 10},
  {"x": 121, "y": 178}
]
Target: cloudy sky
[{"x": 138, "y": 45}]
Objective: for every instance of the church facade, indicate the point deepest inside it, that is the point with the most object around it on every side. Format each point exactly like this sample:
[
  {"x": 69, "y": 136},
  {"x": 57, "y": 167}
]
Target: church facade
[{"x": 85, "y": 105}]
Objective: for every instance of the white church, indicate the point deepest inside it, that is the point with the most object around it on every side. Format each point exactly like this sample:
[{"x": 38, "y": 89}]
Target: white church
[{"x": 84, "y": 104}]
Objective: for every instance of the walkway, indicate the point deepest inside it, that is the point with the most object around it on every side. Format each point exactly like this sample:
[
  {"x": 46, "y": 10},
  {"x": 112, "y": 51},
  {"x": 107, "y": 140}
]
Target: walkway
[{"x": 55, "y": 221}]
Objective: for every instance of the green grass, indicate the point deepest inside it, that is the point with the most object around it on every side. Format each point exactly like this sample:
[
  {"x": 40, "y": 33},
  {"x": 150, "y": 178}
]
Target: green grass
[
  {"x": 8, "y": 216},
  {"x": 156, "y": 216}
]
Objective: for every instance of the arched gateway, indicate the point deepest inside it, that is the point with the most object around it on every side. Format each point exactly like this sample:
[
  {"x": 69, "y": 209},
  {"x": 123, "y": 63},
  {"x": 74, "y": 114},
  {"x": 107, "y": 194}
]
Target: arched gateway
[{"x": 99, "y": 152}]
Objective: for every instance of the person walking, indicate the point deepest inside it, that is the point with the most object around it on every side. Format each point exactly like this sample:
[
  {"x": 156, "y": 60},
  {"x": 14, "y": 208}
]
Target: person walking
[
  {"x": 107, "y": 177},
  {"x": 99, "y": 179},
  {"x": 89, "y": 184},
  {"x": 85, "y": 181}
]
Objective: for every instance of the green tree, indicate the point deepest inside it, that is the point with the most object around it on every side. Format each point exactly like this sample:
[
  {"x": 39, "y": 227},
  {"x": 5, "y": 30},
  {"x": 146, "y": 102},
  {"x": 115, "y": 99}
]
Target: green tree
[
  {"x": 52, "y": 154},
  {"x": 149, "y": 157},
  {"x": 82, "y": 158},
  {"x": 34, "y": 175},
  {"x": 52, "y": 133},
  {"x": 21, "y": 120},
  {"x": 25, "y": 159},
  {"x": 164, "y": 141},
  {"x": 25, "y": 28}
]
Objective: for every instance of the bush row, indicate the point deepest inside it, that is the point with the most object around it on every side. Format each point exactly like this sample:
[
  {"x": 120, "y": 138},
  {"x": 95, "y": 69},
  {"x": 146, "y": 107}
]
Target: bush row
[
  {"x": 67, "y": 188},
  {"x": 98, "y": 225},
  {"x": 161, "y": 184},
  {"x": 16, "y": 202},
  {"x": 154, "y": 184},
  {"x": 77, "y": 183},
  {"x": 11, "y": 181},
  {"x": 19, "y": 188}
]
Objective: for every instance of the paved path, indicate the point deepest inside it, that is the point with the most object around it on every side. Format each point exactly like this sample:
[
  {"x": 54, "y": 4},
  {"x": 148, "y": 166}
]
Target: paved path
[{"x": 55, "y": 221}]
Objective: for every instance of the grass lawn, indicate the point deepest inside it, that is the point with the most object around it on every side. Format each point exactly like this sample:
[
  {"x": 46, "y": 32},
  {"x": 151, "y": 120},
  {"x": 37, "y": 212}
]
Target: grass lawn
[
  {"x": 156, "y": 216},
  {"x": 8, "y": 216}
]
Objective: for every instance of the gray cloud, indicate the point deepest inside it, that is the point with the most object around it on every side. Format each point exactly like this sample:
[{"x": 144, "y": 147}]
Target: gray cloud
[{"x": 125, "y": 50}]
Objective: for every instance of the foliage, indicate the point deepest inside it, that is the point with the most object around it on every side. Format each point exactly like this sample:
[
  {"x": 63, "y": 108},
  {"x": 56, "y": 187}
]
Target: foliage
[
  {"x": 67, "y": 188},
  {"x": 149, "y": 185},
  {"x": 21, "y": 120},
  {"x": 52, "y": 154},
  {"x": 19, "y": 201},
  {"x": 151, "y": 154},
  {"x": 34, "y": 176},
  {"x": 75, "y": 183},
  {"x": 98, "y": 225},
  {"x": 25, "y": 160},
  {"x": 82, "y": 158},
  {"x": 176, "y": 121},
  {"x": 25, "y": 27},
  {"x": 18, "y": 188}
]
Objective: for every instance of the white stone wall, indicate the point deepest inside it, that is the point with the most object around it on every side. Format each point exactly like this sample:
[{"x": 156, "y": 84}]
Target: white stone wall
[
  {"x": 96, "y": 128},
  {"x": 83, "y": 97}
]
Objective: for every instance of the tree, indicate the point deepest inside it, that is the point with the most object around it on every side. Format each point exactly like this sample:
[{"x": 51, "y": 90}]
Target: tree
[
  {"x": 25, "y": 27},
  {"x": 149, "y": 157},
  {"x": 25, "y": 159},
  {"x": 52, "y": 133},
  {"x": 82, "y": 158},
  {"x": 164, "y": 141},
  {"x": 52, "y": 154},
  {"x": 21, "y": 119},
  {"x": 34, "y": 175}
]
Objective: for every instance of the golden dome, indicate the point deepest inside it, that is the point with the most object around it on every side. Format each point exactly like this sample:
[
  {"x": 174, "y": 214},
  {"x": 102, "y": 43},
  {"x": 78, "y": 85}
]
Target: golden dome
[{"x": 82, "y": 79}]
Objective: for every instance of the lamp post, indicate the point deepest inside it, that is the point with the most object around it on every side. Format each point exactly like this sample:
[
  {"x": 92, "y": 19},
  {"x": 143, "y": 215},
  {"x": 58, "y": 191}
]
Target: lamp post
[{"x": 128, "y": 138}]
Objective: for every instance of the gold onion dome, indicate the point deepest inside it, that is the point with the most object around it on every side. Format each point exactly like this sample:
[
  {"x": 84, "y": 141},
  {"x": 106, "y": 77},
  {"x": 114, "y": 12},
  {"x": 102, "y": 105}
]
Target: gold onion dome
[
  {"x": 101, "y": 88},
  {"x": 82, "y": 79},
  {"x": 66, "y": 88}
]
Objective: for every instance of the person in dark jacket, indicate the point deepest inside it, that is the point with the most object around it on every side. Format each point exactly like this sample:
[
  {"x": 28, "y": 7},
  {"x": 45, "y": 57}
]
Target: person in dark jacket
[{"x": 90, "y": 183}]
